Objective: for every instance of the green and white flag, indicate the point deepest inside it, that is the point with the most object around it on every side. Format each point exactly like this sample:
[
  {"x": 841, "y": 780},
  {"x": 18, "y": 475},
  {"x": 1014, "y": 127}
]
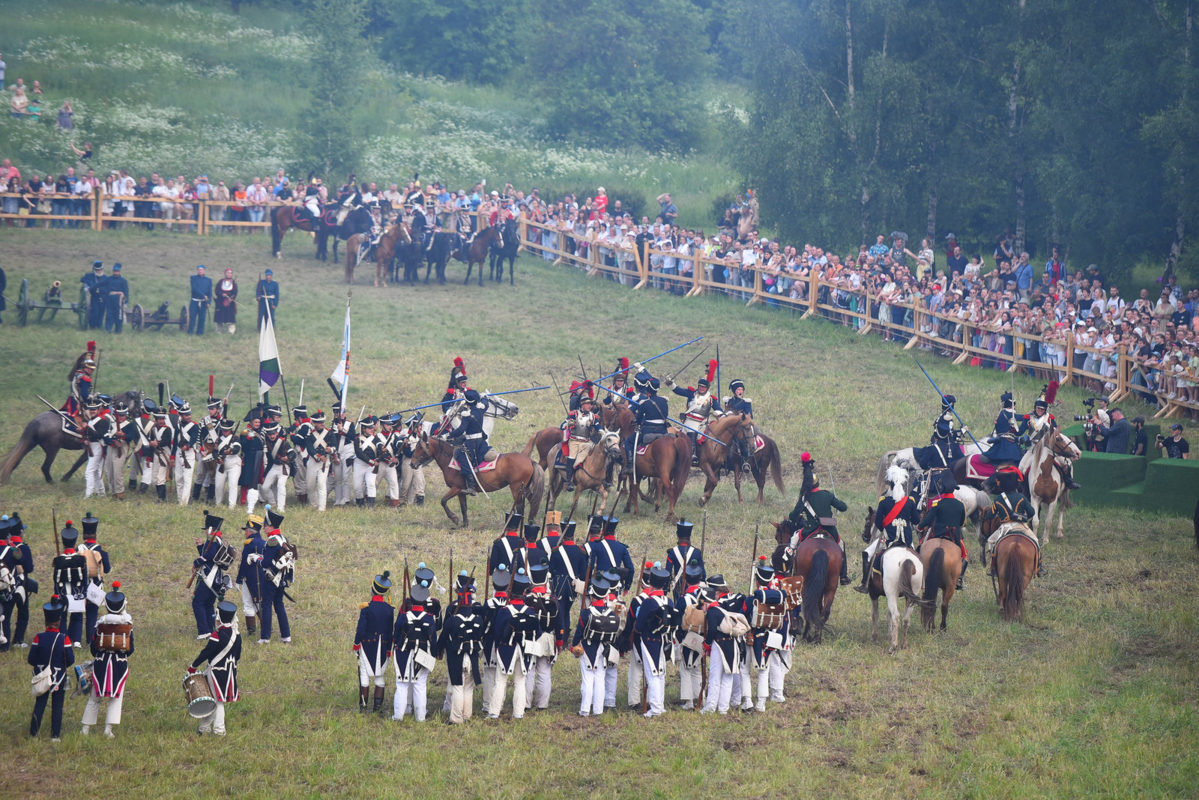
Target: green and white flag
[{"x": 268, "y": 357}]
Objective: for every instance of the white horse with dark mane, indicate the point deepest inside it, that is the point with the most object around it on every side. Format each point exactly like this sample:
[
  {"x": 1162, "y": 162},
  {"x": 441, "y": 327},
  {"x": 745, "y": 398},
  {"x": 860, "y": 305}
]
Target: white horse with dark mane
[{"x": 1047, "y": 488}]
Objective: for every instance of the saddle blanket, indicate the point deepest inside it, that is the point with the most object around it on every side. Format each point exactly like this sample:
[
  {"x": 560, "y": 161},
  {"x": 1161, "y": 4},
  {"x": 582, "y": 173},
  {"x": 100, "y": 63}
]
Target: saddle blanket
[
  {"x": 1012, "y": 529},
  {"x": 486, "y": 466},
  {"x": 641, "y": 450},
  {"x": 977, "y": 469},
  {"x": 759, "y": 443}
]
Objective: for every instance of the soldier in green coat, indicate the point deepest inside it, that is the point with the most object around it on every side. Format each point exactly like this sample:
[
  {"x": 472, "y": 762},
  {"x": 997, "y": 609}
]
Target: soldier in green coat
[{"x": 814, "y": 510}]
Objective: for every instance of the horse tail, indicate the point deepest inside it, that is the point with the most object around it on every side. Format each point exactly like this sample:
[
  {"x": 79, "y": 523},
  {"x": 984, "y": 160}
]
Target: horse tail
[
  {"x": 532, "y": 443},
  {"x": 932, "y": 585},
  {"x": 14, "y": 456},
  {"x": 1013, "y": 589},
  {"x": 813, "y": 589},
  {"x": 776, "y": 467},
  {"x": 536, "y": 488},
  {"x": 906, "y": 574},
  {"x": 681, "y": 468}
]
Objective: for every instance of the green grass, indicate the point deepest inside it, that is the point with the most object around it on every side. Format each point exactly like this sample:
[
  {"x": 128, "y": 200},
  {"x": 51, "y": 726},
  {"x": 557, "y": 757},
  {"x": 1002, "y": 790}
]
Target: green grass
[{"x": 1094, "y": 694}]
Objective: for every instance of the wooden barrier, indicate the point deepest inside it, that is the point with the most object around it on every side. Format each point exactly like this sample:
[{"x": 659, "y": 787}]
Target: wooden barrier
[{"x": 192, "y": 215}]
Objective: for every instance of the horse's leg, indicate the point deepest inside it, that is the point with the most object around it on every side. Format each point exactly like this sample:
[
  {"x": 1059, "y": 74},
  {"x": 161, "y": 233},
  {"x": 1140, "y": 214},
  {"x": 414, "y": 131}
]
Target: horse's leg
[
  {"x": 947, "y": 587},
  {"x": 462, "y": 504},
  {"x": 737, "y": 484},
  {"x": 874, "y": 620},
  {"x": 469, "y": 266},
  {"x": 511, "y": 270},
  {"x": 1060, "y": 508},
  {"x": 893, "y": 621},
  {"x": 445, "y": 501},
  {"x": 79, "y": 462},
  {"x": 710, "y": 481}
]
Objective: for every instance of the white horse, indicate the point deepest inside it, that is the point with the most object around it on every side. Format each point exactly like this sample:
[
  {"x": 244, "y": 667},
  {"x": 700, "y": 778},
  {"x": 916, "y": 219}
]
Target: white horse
[
  {"x": 498, "y": 407},
  {"x": 1046, "y": 487},
  {"x": 903, "y": 574}
]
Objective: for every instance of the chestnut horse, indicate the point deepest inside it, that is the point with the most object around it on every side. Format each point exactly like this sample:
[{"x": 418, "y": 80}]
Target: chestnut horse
[
  {"x": 817, "y": 560},
  {"x": 942, "y": 561},
  {"x": 591, "y": 474},
  {"x": 523, "y": 478},
  {"x": 714, "y": 456},
  {"x": 1015, "y": 559},
  {"x": 544, "y": 442},
  {"x": 667, "y": 460},
  {"x": 613, "y": 417},
  {"x": 384, "y": 253},
  {"x": 476, "y": 252}
]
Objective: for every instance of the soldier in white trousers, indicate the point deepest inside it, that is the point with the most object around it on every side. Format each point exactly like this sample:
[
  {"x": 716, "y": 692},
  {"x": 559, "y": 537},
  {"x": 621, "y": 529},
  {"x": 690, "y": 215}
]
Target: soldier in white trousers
[
  {"x": 119, "y": 443},
  {"x": 97, "y": 427},
  {"x": 366, "y": 461},
  {"x": 226, "y": 453},
  {"x": 278, "y": 460},
  {"x": 343, "y": 466}
]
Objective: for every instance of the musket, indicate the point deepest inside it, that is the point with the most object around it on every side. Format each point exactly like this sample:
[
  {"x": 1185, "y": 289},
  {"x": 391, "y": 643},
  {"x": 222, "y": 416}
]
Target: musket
[
  {"x": 54, "y": 522},
  {"x": 404, "y": 601},
  {"x": 681, "y": 424},
  {"x": 689, "y": 363},
  {"x": 96, "y": 370},
  {"x": 645, "y": 361},
  {"x": 942, "y": 396},
  {"x": 301, "y": 400},
  {"x": 225, "y": 401},
  {"x": 754, "y": 561},
  {"x": 718, "y": 384},
  {"x": 703, "y": 532},
  {"x": 55, "y": 409}
]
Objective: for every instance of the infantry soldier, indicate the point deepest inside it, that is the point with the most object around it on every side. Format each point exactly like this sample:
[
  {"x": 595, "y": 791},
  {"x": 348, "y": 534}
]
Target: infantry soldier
[
  {"x": 9, "y": 565},
  {"x": 700, "y": 403},
  {"x": 211, "y": 584},
  {"x": 655, "y": 622},
  {"x": 946, "y": 515},
  {"x": 98, "y": 565},
  {"x": 366, "y": 462},
  {"x": 344, "y": 433},
  {"x": 723, "y": 644},
  {"x": 201, "y": 297},
  {"x": 161, "y": 440},
  {"x": 222, "y": 651},
  {"x": 681, "y": 556},
  {"x": 388, "y": 443},
  {"x": 501, "y": 579},
  {"x": 120, "y": 440},
  {"x": 253, "y": 463},
  {"x": 206, "y": 463},
  {"x": 142, "y": 471},
  {"x": 568, "y": 574},
  {"x": 226, "y": 454},
  {"x": 414, "y": 636},
  {"x": 507, "y": 546},
  {"x": 319, "y": 451},
  {"x": 542, "y": 642},
  {"x": 70, "y": 582},
  {"x": 110, "y": 667},
  {"x": 51, "y": 651},
  {"x": 592, "y": 642},
  {"x": 460, "y": 642},
  {"x": 412, "y": 479},
  {"x": 249, "y": 571},
  {"x": 610, "y": 554},
  {"x": 814, "y": 511},
  {"x": 511, "y": 624},
  {"x": 20, "y": 562},
  {"x": 96, "y": 427},
  {"x": 895, "y": 520},
  {"x": 373, "y": 641},
  {"x": 277, "y": 451},
  {"x": 187, "y": 441},
  {"x": 296, "y": 434},
  {"x": 1009, "y": 507},
  {"x": 765, "y": 646},
  {"x": 691, "y": 651},
  {"x": 629, "y": 640},
  {"x": 278, "y": 572}
]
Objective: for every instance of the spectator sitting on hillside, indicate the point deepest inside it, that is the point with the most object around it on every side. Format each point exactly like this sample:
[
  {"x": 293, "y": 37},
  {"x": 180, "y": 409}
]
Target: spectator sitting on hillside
[
  {"x": 18, "y": 105},
  {"x": 85, "y": 154}
]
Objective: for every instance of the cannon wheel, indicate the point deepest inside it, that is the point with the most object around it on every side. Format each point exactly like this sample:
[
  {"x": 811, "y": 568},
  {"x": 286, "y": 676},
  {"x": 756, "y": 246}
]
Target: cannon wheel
[
  {"x": 183, "y": 319},
  {"x": 137, "y": 317},
  {"x": 23, "y": 303},
  {"x": 82, "y": 309}
]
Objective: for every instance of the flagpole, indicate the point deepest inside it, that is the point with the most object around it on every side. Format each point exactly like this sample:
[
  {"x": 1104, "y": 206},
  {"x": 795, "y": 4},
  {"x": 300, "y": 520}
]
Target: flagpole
[{"x": 345, "y": 383}]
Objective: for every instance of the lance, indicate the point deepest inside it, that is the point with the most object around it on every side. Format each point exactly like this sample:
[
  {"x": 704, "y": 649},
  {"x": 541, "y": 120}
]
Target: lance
[
  {"x": 689, "y": 363},
  {"x": 718, "y": 383},
  {"x": 672, "y": 419},
  {"x": 53, "y": 408},
  {"x": 301, "y": 400},
  {"x": 951, "y": 408},
  {"x": 643, "y": 362},
  {"x": 485, "y": 395}
]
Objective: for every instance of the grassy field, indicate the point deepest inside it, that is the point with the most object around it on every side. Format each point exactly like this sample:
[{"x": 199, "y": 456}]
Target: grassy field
[{"x": 1093, "y": 694}]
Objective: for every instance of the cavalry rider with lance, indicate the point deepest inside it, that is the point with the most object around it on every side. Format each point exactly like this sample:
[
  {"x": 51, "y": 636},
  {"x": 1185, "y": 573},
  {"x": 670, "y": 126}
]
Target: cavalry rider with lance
[
  {"x": 946, "y": 515},
  {"x": 700, "y": 405},
  {"x": 452, "y": 403},
  {"x": 814, "y": 511},
  {"x": 81, "y": 385},
  {"x": 1041, "y": 421},
  {"x": 620, "y": 385},
  {"x": 649, "y": 413},
  {"x": 1009, "y": 507},
  {"x": 895, "y": 522},
  {"x": 474, "y": 438},
  {"x": 737, "y": 403},
  {"x": 579, "y": 432},
  {"x": 1008, "y": 428}
]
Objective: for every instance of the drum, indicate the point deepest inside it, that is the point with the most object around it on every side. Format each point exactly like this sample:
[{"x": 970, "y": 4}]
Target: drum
[
  {"x": 225, "y": 555},
  {"x": 114, "y": 637},
  {"x": 198, "y": 694}
]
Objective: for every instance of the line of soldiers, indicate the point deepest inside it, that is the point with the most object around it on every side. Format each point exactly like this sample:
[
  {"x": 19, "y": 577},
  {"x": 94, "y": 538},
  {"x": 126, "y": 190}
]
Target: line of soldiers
[{"x": 515, "y": 633}]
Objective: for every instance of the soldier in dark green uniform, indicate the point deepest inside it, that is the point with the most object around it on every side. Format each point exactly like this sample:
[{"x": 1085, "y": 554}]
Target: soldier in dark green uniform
[
  {"x": 946, "y": 515},
  {"x": 814, "y": 510},
  {"x": 1010, "y": 505}
]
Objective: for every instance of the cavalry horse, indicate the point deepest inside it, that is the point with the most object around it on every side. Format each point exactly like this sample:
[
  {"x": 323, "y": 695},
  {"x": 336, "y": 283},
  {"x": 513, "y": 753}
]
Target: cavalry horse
[
  {"x": 1047, "y": 487},
  {"x": 524, "y": 479},
  {"x": 942, "y": 561},
  {"x": 1015, "y": 564},
  {"x": 615, "y": 417},
  {"x": 716, "y": 454},
  {"x": 667, "y": 461},
  {"x": 476, "y": 251},
  {"x": 384, "y": 252},
  {"x": 46, "y": 431},
  {"x": 903, "y": 575},
  {"x": 284, "y": 218},
  {"x": 591, "y": 472},
  {"x": 817, "y": 560},
  {"x": 506, "y": 250}
]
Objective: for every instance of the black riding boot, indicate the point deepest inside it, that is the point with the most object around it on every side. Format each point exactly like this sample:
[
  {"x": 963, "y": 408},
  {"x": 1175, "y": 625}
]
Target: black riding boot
[
  {"x": 570, "y": 475},
  {"x": 210, "y": 492},
  {"x": 370, "y": 502},
  {"x": 162, "y": 493},
  {"x": 844, "y": 570},
  {"x": 133, "y": 484},
  {"x": 196, "y": 489},
  {"x": 864, "y": 586},
  {"x": 962, "y": 577},
  {"x": 1068, "y": 474},
  {"x": 378, "y": 699}
]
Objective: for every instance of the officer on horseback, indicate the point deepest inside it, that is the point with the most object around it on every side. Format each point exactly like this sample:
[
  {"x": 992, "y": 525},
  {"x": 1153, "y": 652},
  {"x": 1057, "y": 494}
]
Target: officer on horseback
[
  {"x": 1040, "y": 422},
  {"x": 312, "y": 198},
  {"x": 473, "y": 438},
  {"x": 81, "y": 385},
  {"x": 814, "y": 510},
  {"x": 620, "y": 381},
  {"x": 735, "y": 402},
  {"x": 581, "y": 425},
  {"x": 1009, "y": 506},
  {"x": 946, "y": 515},
  {"x": 700, "y": 405},
  {"x": 896, "y": 519},
  {"x": 649, "y": 413},
  {"x": 1008, "y": 428}
]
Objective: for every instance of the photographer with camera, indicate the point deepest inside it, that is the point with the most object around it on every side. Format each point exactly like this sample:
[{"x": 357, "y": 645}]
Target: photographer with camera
[
  {"x": 1117, "y": 433},
  {"x": 1175, "y": 446},
  {"x": 1095, "y": 424}
]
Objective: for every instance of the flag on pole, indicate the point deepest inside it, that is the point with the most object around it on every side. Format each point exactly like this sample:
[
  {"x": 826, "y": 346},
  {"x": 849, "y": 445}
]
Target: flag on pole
[
  {"x": 341, "y": 373},
  {"x": 268, "y": 357}
]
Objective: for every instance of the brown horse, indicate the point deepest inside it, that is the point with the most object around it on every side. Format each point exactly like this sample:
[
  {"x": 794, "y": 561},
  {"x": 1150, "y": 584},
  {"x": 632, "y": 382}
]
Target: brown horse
[
  {"x": 384, "y": 253},
  {"x": 46, "y": 431},
  {"x": 942, "y": 564},
  {"x": 617, "y": 417},
  {"x": 667, "y": 460},
  {"x": 1015, "y": 564},
  {"x": 714, "y": 456},
  {"x": 544, "y": 442},
  {"x": 523, "y": 478},
  {"x": 817, "y": 560},
  {"x": 284, "y": 218},
  {"x": 476, "y": 253},
  {"x": 591, "y": 473}
]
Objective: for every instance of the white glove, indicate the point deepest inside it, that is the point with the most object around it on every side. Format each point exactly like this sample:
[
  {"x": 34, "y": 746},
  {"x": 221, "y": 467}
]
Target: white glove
[
  {"x": 253, "y": 558},
  {"x": 638, "y": 366},
  {"x": 669, "y": 382}
]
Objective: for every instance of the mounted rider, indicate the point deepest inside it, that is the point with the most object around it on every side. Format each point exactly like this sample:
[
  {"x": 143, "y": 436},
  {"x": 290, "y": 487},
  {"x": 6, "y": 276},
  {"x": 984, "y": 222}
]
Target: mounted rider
[
  {"x": 649, "y": 413},
  {"x": 813, "y": 511},
  {"x": 1040, "y": 423},
  {"x": 312, "y": 197},
  {"x": 579, "y": 432},
  {"x": 701, "y": 404},
  {"x": 945, "y": 516},
  {"x": 452, "y": 401},
  {"x": 620, "y": 384},
  {"x": 735, "y": 402},
  {"x": 1009, "y": 426},
  {"x": 474, "y": 444},
  {"x": 580, "y": 391},
  {"x": 1010, "y": 507},
  {"x": 81, "y": 385},
  {"x": 895, "y": 521}
]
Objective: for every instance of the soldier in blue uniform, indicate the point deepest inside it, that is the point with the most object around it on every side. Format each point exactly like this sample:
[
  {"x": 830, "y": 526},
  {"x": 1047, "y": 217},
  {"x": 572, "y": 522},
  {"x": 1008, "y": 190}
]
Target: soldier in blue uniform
[
  {"x": 9, "y": 563},
  {"x": 724, "y": 649},
  {"x": 945, "y": 516},
  {"x": 681, "y": 556},
  {"x": 70, "y": 583},
  {"x": 655, "y": 622},
  {"x": 608, "y": 554},
  {"x": 222, "y": 651},
  {"x": 98, "y": 565},
  {"x": 568, "y": 573},
  {"x": 766, "y": 645},
  {"x": 249, "y": 571},
  {"x": 691, "y": 645},
  {"x": 735, "y": 402},
  {"x": 543, "y": 641},
  {"x": 943, "y": 448},
  {"x": 20, "y": 561},
  {"x": 201, "y": 299},
  {"x": 110, "y": 665},
  {"x": 267, "y": 293},
  {"x": 649, "y": 414},
  {"x": 814, "y": 510},
  {"x": 592, "y": 644},
  {"x": 505, "y": 548},
  {"x": 1010, "y": 505},
  {"x": 95, "y": 283},
  {"x": 116, "y": 298},
  {"x": 1009, "y": 426},
  {"x": 501, "y": 579},
  {"x": 278, "y": 569},
  {"x": 210, "y": 578},
  {"x": 510, "y": 627},
  {"x": 373, "y": 641},
  {"x": 253, "y": 462},
  {"x": 414, "y": 638},
  {"x": 474, "y": 438},
  {"x": 52, "y": 649},
  {"x": 460, "y": 642}
]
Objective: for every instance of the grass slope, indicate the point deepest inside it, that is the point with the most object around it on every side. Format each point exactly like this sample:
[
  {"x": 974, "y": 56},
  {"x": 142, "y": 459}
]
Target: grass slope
[{"x": 1094, "y": 694}]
